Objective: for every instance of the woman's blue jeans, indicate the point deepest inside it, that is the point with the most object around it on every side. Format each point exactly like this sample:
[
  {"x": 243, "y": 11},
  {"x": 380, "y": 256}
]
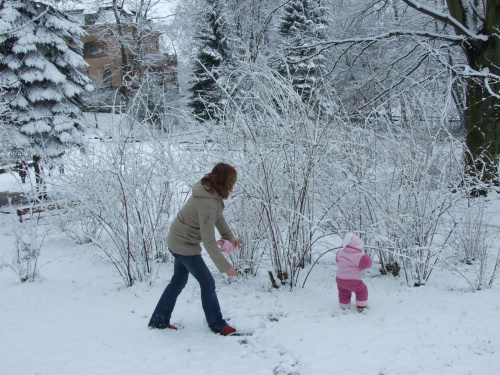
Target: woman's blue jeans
[{"x": 183, "y": 266}]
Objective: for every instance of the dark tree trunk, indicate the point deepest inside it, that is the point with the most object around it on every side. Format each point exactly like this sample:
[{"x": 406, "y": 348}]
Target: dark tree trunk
[
  {"x": 124, "y": 64},
  {"x": 483, "y": 132},
  {"x": 40, "y": 186},
  {"x": 483, "y": 128}
]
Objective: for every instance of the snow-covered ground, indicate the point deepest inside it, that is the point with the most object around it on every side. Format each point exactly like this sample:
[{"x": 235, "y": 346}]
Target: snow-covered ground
[{"x": 79, "y": 319}]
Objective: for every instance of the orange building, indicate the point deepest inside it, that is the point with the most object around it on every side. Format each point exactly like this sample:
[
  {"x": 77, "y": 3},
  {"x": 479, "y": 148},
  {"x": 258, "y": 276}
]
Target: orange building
[{"x": 103, "y": 51}]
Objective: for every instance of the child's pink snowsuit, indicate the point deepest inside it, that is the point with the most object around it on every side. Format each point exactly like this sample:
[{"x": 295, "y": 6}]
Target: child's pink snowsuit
[{"x": 351, "y": 261}]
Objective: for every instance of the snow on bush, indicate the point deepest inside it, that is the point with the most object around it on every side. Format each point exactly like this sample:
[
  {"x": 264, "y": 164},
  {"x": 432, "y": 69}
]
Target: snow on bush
[
  {"x": 279, "y": 148},
  {"x": 123, "y": 190},
  {"x": 310, "y": 176},
  {"x": 30, "y": 230}
]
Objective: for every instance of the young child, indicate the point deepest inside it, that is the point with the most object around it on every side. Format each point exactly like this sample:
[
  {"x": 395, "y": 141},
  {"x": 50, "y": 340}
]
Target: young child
[{"x": 351, "y": 261}]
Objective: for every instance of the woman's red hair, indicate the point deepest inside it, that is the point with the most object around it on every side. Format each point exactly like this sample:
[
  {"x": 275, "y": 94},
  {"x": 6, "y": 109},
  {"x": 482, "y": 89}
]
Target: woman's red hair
[{"x": 221, "y": 180}]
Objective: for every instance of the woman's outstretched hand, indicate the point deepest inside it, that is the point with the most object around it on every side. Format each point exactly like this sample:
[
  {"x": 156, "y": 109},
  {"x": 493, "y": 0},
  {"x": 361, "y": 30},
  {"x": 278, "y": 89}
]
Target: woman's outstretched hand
[
  {"x": 234, "y": 241},
  {"x": 232, "y": 272}
]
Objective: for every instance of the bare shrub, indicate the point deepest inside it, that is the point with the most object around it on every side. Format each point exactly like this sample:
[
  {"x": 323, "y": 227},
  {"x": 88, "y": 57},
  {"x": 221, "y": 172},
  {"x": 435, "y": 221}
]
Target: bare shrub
[
  {"x": 126, "y": 188},
  {"x": 246, "y": 222},
  {"x": 78, "y": 224},
  {"x": 402, "y": 189},
  {"x": 277, "y": 144},
  {"x": 29, "y": 233},
  {"x": 471, "y": 233},
  {"x": 474, "y": 239},
  {"x": 29, "y": 236}
]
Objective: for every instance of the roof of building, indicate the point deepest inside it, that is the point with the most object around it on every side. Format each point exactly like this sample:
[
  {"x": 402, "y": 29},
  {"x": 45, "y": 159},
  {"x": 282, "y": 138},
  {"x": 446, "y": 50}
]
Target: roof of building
[{"x": 102, "y": 15}]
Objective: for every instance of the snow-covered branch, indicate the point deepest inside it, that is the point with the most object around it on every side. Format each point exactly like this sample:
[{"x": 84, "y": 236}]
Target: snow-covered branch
[
  {"x": 457, "y": 39},
  {"x": 447, "y": 19},
  {"x": 16, "y": 29}
]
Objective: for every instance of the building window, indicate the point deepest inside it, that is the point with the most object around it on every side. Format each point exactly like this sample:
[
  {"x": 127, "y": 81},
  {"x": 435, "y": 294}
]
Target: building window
[
  {"x": 106, "y": 79},
  {"x": 94, "y": 49},
  {"x": 91, "y": 19}
]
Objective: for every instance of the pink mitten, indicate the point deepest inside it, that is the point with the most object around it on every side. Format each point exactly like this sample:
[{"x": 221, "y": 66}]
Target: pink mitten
[{"x": 226, "y": 246}]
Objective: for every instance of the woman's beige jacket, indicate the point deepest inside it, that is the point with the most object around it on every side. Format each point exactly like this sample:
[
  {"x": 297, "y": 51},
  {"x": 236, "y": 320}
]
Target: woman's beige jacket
[{"x": 196, "y": 222}]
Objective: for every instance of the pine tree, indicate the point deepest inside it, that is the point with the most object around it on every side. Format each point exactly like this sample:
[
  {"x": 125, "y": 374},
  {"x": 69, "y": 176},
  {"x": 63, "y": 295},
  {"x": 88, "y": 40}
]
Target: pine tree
[
  {"x": 302, "y": 24},
  {"x": 41, "y": 77},
  {"x": 212, "y": 57}
]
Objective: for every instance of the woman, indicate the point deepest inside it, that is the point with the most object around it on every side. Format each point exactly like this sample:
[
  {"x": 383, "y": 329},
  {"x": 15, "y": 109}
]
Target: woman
[{"x": 195, "y": 223}]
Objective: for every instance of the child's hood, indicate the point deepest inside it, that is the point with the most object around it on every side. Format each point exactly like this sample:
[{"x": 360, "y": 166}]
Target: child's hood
[{"x": 352, "y": 241}]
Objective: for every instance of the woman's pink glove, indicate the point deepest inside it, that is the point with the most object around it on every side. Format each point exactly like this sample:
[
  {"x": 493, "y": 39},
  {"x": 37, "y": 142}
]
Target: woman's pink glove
[{"x": 228, "y": 246}]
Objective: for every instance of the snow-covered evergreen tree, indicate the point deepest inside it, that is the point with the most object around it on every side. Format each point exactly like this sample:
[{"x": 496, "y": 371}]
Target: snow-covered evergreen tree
[
  {"x": 303, "y": 23},
  {"x": 41, "y": 77},
  {"x": 212, "y": 57}
]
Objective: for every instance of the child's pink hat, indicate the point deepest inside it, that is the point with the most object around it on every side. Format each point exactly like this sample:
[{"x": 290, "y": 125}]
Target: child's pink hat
[
  {"x": 352, "y": 240},
  {"x": 226, "y": 246}
]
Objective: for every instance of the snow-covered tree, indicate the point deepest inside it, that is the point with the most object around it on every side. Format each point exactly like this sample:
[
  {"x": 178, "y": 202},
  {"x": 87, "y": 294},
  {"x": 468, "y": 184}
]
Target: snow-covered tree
[
  {"x": 303, "y": 24},
  {"x": 477, "y": 24},
  {"x": 212, "y": 55},
  {"x": 41, "y": 77},
  {"x": 460, "y": 35},
  {"x": 252, "y": 27}
]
